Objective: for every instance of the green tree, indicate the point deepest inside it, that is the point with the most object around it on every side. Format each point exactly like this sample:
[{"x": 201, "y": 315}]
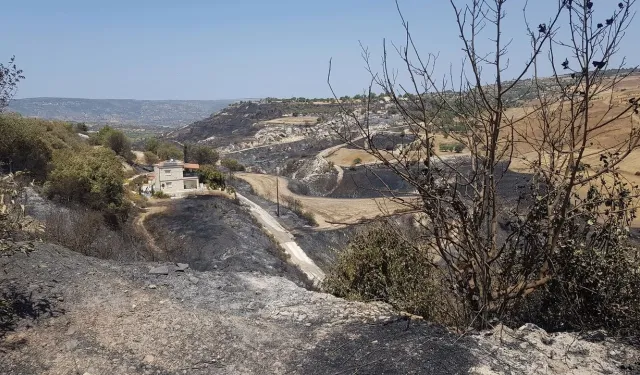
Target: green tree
[
  {"x": 119, "y": 143},
  {"x": 152, "y": 145},
  {"x": 202, "y": 154},
  {"x": 81, "y": 127},
  {"x": 27, "y": 144},
  {"x": 208, "y": 174},
  {"x": 232, "y": 165},
  {"x": 150, "y": 157},
  {"x": 168, "y": 151},
  {"x": 93, "y": 177}
]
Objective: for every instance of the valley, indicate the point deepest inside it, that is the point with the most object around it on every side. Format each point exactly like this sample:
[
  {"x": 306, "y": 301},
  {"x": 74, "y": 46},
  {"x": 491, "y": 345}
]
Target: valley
[{"x": 232, "y": 274}]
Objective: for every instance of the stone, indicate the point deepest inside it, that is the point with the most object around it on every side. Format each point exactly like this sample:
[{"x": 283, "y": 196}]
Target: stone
[
  {"x": 194, "y": 280},
  {"x": 162, "y": 270},
  {"x": 71, "y": 344},
  {"x": 148, "y": 358},
  {"x": 181, "y": 267},
  {"x": 152, "y": 286}
]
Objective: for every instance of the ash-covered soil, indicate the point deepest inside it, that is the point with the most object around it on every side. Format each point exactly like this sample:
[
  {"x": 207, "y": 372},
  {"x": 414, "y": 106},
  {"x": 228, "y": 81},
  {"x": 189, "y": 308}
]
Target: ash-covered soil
[
  {"x": 73, "y": 314},
  {"x": 360, "y": 182},
  {"x": 288, "y": 157},
  {"x": 215, "y": 233},
  {"x": 321, "y": 246}
]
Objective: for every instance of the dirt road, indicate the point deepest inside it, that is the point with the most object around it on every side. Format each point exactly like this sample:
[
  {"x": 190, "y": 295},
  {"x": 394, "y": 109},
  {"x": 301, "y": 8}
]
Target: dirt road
[
  {"x": 330, "y": 213},
  {"x": 285, "y": 239}
]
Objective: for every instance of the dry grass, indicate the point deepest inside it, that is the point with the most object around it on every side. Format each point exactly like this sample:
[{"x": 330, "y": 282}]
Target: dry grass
[
  {"x": 328, "y": 212},
  {"x": 293, "y": 121},
  {"x": 607, "y": 106}
]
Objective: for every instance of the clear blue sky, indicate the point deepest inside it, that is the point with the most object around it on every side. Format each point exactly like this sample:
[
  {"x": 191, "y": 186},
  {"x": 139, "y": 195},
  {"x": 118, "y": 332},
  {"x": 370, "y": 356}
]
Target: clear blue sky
[{"x": 215, "y": 49}]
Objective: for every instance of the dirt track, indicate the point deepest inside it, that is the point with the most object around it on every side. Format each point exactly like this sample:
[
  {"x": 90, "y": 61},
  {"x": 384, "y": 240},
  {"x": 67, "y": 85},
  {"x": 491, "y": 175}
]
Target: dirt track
[{"x": 329, "y": 212}]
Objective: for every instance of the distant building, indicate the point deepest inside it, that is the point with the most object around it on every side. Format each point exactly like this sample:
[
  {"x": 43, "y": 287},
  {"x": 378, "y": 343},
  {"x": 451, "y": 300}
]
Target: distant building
[{"x": 173, "y": 177}]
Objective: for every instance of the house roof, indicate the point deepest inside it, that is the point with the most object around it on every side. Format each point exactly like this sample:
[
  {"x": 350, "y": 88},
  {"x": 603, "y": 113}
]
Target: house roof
[
  {"x": 177, "y": 163},
  {"x": 170, "y": 163}
]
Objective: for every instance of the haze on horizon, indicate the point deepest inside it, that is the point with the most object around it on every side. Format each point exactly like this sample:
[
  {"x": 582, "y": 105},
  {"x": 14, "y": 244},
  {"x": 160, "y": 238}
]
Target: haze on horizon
[{"x": 209, "y": 50}]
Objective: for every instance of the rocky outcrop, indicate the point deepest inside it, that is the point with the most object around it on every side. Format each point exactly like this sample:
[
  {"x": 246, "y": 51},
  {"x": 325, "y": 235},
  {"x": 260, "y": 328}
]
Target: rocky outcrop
[{"x": 82, "y": 315}]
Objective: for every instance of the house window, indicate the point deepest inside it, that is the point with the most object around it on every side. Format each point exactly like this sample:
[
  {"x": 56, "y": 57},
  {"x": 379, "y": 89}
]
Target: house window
[
  {"x": 168, "y": 184},
  {"x": 167, "y": 172}
]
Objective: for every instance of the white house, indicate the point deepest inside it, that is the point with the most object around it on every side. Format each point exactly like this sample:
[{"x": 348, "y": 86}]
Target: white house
[{"x": 173, "y": 176}]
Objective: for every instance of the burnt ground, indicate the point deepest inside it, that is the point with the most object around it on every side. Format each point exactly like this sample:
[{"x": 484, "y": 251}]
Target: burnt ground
[
  {"x": 73, "y": 314},
  {"x": 360, "y": 182},
  {"x": 215, "y": 233},
  {"x": 321, "y": 246},
  {"x": 287, "y": 156}
]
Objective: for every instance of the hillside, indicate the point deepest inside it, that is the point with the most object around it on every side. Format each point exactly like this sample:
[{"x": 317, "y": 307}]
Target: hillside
[
  {"x": 82, "y": 315},
  {"x": 119, "y": 111},
  {"x": 241, "y": 121}
]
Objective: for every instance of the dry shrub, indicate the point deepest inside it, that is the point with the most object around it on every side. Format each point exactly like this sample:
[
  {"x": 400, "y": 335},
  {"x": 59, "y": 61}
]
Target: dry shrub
[
  {"x": 85, "y": 231},
  {"x": 597, "y": 287},
  {"x": 295, "y": 205},
  {"x": 175, "y": 247}
]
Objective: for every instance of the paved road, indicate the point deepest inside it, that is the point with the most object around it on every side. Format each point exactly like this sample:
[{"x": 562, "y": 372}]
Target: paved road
[{"x": 285, "y": 239}]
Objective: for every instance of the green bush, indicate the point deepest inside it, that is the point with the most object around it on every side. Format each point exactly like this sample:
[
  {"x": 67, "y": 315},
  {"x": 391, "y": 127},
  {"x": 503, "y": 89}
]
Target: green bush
[
  {"x": 597, "y": 287},
  {"x": 92, "y": 177},
  {"x": 210, "y": 175},
  {"x": 151, "y": 158},
  {"x": 451, "y": 147},
  {"x": 232, "y": 164},
  {"x": 161, "y": 195},
  {"x": 309, "y": 217},
  {"x": 357, "y": 161},
  {"x": 27, "y": 144},
  {"x": 202, "y": 154},
  {"x": 380, "y": 265}
]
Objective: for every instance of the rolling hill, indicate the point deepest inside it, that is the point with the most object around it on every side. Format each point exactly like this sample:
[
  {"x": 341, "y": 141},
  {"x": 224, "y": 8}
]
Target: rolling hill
[{"x": 147, "y": 113}]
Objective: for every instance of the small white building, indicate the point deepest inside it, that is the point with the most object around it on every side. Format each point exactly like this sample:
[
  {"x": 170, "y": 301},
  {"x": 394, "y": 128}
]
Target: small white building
[{"x": 172, "y": 177}]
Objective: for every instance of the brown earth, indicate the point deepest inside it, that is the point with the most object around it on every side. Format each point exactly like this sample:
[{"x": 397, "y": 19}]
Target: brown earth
[{"x": 328, "y": 212}]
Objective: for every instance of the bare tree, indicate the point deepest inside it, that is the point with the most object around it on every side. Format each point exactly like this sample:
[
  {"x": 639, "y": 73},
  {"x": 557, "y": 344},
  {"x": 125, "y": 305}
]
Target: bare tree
[
  {"x": 10, "y": 76},
  {"x": 495, "y": 252}
]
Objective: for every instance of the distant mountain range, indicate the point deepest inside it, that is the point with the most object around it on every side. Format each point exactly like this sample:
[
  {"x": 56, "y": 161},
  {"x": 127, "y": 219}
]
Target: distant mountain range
[{"x": 143, "y": 113}]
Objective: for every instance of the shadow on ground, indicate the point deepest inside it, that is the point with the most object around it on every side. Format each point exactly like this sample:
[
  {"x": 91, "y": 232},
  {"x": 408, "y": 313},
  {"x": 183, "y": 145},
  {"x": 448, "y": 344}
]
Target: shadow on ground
[
  {"x": 15, "y": 305},
  {"x": 391, "y": 348}
]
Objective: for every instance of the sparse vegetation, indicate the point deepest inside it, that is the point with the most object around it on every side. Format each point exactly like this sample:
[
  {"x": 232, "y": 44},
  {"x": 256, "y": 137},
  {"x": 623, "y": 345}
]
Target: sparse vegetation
[
  {"x": 451, "y": 147},
  {"x": 161, "y": 195},
  {"x": 550, "y": 256},
  {"x": 295, "y": 205},
  {"x": 10, "y": 76}
]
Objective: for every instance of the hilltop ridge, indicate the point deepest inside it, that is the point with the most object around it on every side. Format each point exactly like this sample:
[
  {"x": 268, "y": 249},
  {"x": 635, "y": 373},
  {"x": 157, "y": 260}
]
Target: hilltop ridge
[{"x": 118, "y": 111}]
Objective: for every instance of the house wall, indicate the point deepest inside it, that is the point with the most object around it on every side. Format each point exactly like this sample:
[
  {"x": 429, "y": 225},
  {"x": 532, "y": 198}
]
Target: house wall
[
  {"x": 169, "y": 179},
  {"x": 191, "y": 183}
]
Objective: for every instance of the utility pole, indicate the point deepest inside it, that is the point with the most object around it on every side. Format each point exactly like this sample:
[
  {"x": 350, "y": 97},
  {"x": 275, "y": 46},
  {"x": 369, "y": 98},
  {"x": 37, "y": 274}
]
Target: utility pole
[{"x": 277, "y": 192}]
